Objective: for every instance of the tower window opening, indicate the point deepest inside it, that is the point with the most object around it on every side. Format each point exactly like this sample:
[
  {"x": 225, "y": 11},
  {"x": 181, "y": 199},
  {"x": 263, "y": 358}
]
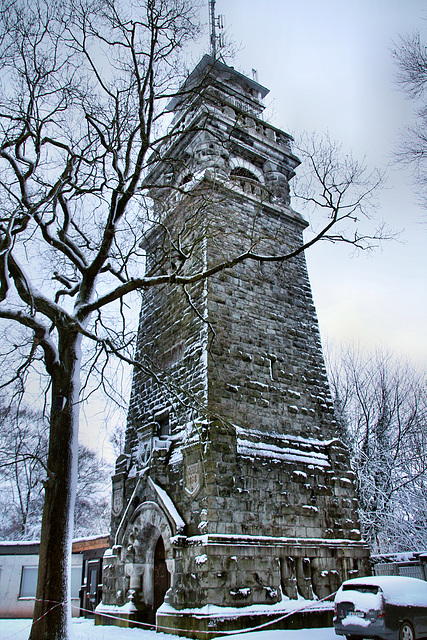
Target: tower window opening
[
  {"x": 246, "y": 179},
  {"x": 163, "y": 428},
  {"x": 241, "y": 172},
  {"x": 273, "y": 367}
]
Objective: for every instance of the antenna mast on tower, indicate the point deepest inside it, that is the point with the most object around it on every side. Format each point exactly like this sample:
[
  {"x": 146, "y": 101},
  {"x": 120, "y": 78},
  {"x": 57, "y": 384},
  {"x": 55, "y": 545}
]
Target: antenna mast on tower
[{"x": 216, "y": 22}]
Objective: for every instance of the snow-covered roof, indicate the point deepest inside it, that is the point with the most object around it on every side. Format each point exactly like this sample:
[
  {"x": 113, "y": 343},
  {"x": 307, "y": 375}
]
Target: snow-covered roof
[
  {"x": 401, "y": 556},
  {"x": 30, "y": 547},
  {"x": 99, "y": 536},
  {"x": 19, "y": 547},
  {"x": 10, "y": 543}
]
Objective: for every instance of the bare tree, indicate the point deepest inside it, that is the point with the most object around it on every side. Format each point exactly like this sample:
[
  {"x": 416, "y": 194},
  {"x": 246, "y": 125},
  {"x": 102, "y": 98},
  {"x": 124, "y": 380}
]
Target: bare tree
[
  {"x": 382, "y": 405},
  {"x": 93, "y": 500},
  {"x": 83, "y": 90},
  {"x": 23, "y": 456},
  {"x": 411, "y": 59},
  {"x": 23, "y": 452},
  {"x": 343, "y": 188}
]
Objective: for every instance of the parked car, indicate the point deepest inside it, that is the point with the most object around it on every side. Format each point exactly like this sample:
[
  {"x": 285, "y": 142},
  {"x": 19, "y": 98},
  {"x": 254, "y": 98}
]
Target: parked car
[{"x": 387, "y": 607}]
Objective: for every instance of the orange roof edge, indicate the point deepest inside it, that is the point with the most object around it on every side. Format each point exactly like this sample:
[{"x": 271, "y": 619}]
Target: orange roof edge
[{"x": 93, "y": 542}]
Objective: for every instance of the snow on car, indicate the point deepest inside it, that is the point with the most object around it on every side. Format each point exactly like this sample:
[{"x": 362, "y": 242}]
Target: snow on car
[{"x": 387, "y": 607}]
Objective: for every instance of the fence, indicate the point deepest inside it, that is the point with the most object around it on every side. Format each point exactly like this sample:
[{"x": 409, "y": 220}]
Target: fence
[{"x": 413, "y": 567}]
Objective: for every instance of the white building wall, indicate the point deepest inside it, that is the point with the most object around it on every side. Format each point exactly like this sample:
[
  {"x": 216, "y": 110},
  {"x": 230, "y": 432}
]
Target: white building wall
[{"x": 12, "y": 604}]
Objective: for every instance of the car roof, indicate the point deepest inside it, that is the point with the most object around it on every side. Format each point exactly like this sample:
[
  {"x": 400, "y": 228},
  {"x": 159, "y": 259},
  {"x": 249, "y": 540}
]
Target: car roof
[{"x": 396, "y": 589}]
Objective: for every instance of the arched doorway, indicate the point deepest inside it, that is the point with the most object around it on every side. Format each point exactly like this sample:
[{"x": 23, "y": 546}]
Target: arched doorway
[
  {"x": 148, "y": 560},
  {"x": 161, "y": 574}
]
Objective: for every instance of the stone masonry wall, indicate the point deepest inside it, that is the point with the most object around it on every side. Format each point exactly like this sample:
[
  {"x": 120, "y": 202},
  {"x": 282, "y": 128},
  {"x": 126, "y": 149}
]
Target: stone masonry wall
[
  {"x": 255, "y": 366},
  {"x": 288, "y": 517},
  {"x": 266, "y": 366},
  {"x": 171, "y": 347}
]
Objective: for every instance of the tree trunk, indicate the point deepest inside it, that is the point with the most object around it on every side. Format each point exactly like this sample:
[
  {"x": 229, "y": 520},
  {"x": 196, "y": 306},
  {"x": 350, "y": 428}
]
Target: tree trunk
[{"x": 52, "y": 611}]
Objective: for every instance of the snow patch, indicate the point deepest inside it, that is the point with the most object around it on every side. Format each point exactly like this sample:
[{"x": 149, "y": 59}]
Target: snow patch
[
  {"x": 286, "y": 605},
  {"x": 112, "y": 609},
  {"x": 284, "y": 454},
  {"x": 357, "y": 620},
  {"x": 224, "y": 538},
  {"x": 168, "y": 506},
  {"x": 301, "y": 474},
  {"x": 310, "y": 508},
  {"x": 242, "y": 593}
]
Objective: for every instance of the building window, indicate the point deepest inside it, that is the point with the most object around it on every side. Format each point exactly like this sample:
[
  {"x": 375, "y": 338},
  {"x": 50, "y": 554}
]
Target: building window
[
  {"x": 28, "y": 582},
  {"x": 76, "y": 579}
]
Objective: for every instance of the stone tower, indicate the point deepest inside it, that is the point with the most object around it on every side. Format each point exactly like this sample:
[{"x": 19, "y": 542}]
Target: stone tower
[{"x": 233, "y": 490}]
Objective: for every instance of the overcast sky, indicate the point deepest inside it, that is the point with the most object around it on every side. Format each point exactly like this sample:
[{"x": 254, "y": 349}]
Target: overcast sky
[{"x": 329, "y": 68}]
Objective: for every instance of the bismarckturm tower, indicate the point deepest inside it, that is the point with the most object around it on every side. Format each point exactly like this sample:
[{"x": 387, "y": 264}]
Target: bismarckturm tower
[{"x": 234, "y": 490}]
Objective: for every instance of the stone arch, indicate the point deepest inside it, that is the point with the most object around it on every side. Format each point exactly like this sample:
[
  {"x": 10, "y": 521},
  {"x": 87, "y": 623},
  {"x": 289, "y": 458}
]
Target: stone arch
[
  {"x": 239, "y": 163},
  {"x": 242, "y": 172},
  {"x": 149, "y": 524}
]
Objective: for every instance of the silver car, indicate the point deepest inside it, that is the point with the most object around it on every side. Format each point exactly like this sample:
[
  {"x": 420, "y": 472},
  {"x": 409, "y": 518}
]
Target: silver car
[{"x": 387, "y": 607}]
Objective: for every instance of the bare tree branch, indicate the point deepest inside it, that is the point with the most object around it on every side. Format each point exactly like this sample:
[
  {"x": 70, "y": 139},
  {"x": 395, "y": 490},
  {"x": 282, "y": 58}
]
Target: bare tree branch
[{"x": 382, "y": 404}]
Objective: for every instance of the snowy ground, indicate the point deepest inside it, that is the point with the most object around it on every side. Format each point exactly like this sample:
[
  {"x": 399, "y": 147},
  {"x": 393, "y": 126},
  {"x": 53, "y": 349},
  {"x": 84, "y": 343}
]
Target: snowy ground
[{"x": 85, "y": 630}]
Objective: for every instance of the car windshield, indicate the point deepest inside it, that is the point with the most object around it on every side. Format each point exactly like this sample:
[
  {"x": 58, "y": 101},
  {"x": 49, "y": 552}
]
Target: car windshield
[{"x": 362, "y": 588}]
